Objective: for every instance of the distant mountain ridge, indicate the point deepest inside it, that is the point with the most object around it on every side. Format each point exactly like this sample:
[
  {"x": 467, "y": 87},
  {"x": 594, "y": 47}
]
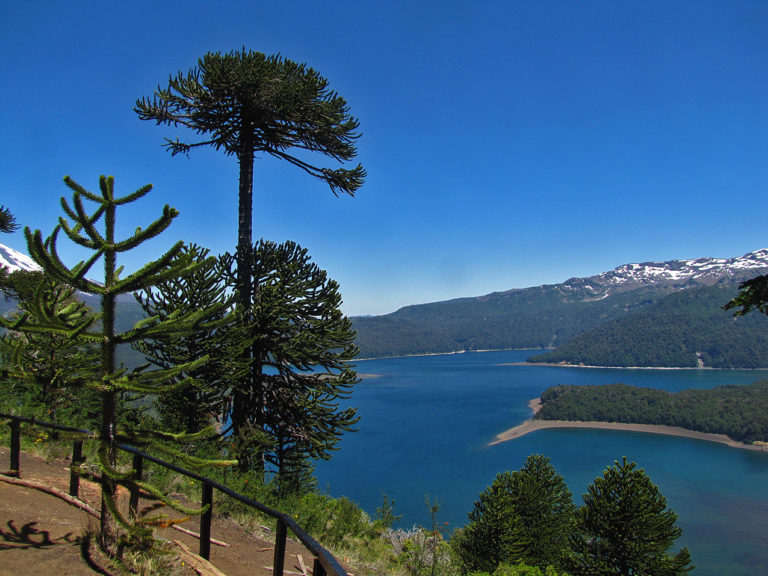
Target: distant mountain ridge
[
  {"x": 644, "y": 314},
  {"x": 673, "y": 273},
  {"x": 549, "y": 315}
]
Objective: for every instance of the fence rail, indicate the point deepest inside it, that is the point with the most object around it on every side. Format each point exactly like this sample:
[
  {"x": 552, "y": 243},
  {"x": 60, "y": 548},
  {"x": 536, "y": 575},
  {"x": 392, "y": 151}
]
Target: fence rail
[{"x": 324, "y": 565}]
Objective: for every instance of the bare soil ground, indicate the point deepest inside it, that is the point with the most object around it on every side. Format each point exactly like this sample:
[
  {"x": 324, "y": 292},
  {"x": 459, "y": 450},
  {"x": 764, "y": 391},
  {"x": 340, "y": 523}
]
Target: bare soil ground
[{"x": 40, "y": 534}]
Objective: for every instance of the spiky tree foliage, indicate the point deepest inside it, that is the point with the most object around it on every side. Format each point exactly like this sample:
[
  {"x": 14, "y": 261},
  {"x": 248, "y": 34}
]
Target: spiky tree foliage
[
  {"x": 303, "y": 347},
  {"x": 49, "y": 369},
  {"x": 753, "y": 295},
  {"x": 8, "y": 222},
  {"x": 625, "y": 528},
  {"x": 95, "y": 231},
  {"x": 21, "y": 285},
  {"x": 193, "y": 405},
  {"x": 245, "y": 103},
  {"x": 524, "y": 516}
]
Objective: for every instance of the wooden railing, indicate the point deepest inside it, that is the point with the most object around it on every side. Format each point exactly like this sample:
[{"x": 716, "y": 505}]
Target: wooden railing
[{"x": 324, "y": 565}]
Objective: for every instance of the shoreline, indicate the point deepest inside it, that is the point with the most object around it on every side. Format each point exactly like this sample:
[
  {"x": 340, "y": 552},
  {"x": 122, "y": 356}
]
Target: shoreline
[
  {"x": 450, "y": 354},
  {"x": 561, "y": 365},
  {"x": 532, "y": 425},
  {"x": 550, "y": 364}
]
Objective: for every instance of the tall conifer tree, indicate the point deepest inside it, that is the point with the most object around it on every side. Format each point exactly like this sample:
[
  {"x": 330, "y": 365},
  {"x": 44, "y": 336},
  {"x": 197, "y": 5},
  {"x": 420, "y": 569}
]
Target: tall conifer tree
[
  {"x": 49, "y": 369},
  {"x": 245, "y": 103},
  {"x": 193, "y": 405},
  {"x": 96, "y": 231},
  {"x": 625, "y": 528},
  {"x": 524, "y": 516},
  {"x": 303, "y": 348}
]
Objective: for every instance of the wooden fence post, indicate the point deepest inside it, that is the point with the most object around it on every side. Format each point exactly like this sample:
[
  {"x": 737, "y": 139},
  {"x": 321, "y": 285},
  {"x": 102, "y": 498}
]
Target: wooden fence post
[
  {"x": 317, "y": 569},
  {"x": 15, "y": 447},
  {"x": 77, "y": 459},
  {"x": 205, "y": 522},
  {"x": 133, "y": 503},
  {"x": 281, "y": 534}
]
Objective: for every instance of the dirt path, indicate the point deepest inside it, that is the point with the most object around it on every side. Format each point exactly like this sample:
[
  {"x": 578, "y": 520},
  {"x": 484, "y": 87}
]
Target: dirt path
[{"x": 40, "y": 534}]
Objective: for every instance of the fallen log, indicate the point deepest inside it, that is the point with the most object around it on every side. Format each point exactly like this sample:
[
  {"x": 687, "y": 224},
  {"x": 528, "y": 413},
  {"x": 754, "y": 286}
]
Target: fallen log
[
  {"x": 196, "y": 535},
  {"x": 52, "y": 491},
  {"x": 301, "y": 564},
  {"x": 198, "y": 564}
]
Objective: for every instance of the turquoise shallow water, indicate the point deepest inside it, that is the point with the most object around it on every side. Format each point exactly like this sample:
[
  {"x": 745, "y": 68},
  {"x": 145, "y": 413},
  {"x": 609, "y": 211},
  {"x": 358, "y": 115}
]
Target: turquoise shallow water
[{"x": 426, "y": 423}]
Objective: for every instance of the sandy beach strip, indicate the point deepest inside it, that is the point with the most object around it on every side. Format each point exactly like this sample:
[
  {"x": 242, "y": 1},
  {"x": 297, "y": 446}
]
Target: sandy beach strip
[{"x": 533, "y": 425}]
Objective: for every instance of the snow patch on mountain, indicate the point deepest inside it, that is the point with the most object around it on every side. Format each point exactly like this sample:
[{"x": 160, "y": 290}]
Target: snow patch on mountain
[
  {"x": 674, "y": 273},
  {"x": 13, "y": 260}
]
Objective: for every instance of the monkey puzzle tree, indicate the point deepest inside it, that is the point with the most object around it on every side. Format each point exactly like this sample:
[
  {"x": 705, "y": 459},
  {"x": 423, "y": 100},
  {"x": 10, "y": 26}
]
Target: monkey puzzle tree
[
  {"x": 303, "y": 346},
  {"x": 49, "y": 369},
  {"x": 7, "y": 221},
  {"x": 191, "y": 406},
  {"x": 8, "y": 224},
  {"x": 524, "y": 516},
  {"x": 625, "y": 528},
  {"x": 753, "y": 295},
  {"x": 244, "y": 103},
  {"x": 96, "y": 232}
]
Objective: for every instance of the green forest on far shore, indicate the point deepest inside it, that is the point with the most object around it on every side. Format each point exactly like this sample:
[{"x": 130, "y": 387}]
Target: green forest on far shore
[{"x": 740, "y": 412}]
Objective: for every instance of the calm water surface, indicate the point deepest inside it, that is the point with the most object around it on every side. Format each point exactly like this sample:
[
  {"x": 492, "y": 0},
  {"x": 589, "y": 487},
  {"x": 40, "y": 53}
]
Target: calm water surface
[{"x": 426, "y": 423}]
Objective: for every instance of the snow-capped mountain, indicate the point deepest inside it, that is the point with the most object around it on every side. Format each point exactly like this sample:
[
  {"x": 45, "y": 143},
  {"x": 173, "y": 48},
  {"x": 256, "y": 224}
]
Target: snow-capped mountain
[
  {"x": 673, "y": 273},
  {"x": 14, "y": 260},
  {"x": 548, "y": 315}
]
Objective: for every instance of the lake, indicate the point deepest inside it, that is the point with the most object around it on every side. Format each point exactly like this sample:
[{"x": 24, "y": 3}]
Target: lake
[{"x": 426, "y": 423}]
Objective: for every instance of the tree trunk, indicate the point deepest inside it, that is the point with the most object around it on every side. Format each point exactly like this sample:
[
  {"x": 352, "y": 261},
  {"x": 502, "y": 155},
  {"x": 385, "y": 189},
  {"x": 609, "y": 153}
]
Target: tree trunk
[
  {"x": 108, "y": 528},
  {"x": 243, "y": 397}
]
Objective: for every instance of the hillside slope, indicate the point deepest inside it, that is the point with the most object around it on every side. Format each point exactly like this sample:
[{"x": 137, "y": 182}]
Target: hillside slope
[
  {"x": 551, "y": 315},
  {"x": 684, "y": 329}
]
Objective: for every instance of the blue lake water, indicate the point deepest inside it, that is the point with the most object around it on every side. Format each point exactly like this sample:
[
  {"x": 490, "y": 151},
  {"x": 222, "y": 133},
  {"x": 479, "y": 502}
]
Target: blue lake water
[{"x": 426, "y": 423}]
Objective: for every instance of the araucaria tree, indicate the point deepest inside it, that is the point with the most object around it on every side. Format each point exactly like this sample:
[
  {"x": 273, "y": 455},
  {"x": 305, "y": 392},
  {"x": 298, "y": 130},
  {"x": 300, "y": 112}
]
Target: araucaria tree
[
  {"x": 246, "y": 103},
  {"x": 95, "y": 231},
  {"x": 7, "y": 220},
  {"x": 195, "y": 404},
  {"x": 625, "y": 528},
  {"x": 49, "y": 370},
  {"x": 303, "y": 346},
  {"x": 753, "y": 295},
  {"x": 524, "y": 516}
]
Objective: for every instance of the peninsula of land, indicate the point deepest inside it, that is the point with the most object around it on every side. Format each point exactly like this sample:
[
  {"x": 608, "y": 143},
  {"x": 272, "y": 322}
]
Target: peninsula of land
[{"x": 533, "y": 425}]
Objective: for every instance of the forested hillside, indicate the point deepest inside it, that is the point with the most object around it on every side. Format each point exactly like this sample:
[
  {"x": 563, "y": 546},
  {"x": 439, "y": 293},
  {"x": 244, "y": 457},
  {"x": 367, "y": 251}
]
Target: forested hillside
[
  {"x": 536, "y": 318},
  {"x": 684, "y": 329},
  {"x": 650, "y": 314},
  {"x": 740, "y": 412}
]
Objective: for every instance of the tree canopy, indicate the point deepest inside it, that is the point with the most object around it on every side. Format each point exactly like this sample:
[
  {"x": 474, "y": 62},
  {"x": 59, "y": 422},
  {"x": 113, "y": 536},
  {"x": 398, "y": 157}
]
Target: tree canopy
[
  {"x": 200, "y": 394},
  {"x": 624, "y": 528},
  {"x": 753, "y": 295},
  {"x": 96, "y": 231},
  {"x": 49, "y": 369},
  {"x": 524, "y": 516},
  {"x": 7, "y": 220},
  {"x": 245, "y": 102},
  {"x": 302, "y": 348}
]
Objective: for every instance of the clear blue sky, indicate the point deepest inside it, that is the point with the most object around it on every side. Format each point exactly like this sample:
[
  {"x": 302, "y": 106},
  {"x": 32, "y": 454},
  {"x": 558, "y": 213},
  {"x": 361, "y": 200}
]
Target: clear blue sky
[{"x": 508, "y": 144}]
